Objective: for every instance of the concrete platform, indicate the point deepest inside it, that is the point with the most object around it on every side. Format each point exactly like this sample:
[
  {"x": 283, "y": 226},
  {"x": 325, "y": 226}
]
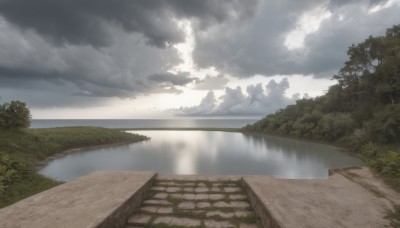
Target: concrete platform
[
  {"x": 101, "y": 199},
  {"x": 336, "y": 202},
  {"x": 349, "y": 198}
]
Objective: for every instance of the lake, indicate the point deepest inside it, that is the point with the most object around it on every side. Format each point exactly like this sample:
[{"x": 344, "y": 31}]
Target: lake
[{"x": 207, "y": 152}]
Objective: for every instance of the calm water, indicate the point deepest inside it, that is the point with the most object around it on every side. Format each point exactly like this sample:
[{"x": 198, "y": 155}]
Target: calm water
[
  {"x": 146, "y": 123},
  {"x": 202, "y": 152}
]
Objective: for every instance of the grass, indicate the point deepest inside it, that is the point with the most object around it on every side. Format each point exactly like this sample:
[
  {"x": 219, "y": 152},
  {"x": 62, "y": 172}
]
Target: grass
[
  {"x": 393, "y": 182},
  {"x": 28, "y": 147},
  {"x": 394, "y": 216},
  {"x": 31, "y": 185}
]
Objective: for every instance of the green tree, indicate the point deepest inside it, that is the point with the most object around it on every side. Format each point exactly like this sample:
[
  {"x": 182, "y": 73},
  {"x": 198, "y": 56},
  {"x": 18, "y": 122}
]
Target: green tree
[
  {"x": 385, "y": 125},
  {"x": 14, "y": 115}
]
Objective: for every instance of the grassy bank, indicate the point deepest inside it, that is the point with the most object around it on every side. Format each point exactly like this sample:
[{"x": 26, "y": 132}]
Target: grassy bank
[
  {"x": 384, "y": 159},
  {"x": 21, "y": 150}
]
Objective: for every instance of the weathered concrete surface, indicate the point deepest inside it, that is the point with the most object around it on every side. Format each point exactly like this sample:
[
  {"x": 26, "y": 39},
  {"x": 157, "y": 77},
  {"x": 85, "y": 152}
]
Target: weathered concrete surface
[
  {"x": 88, "y": 201},
  {"x": 336, "y": 202},
  {"x": 365, "y": 177}
]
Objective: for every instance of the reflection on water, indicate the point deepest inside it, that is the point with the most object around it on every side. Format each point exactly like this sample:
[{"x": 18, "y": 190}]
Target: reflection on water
[{"x": 207, "y": 152}]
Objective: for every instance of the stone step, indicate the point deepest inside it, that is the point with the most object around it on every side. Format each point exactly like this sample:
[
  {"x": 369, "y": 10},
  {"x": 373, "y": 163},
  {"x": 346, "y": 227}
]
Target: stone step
[
  {"x": 202, "y": 196},
  {"x": 226, "y": 223},
  {"x": 191, "y": 205},
  {"x": 193, "y": 184},
  {"x": 139, "y": 220},
  {"x": 174, "y": 221},
  {"x": 197, "y": 189},
  {"x": 196, "y": 178},
  {"x": 157, "y": 202},
  {"x": 157, "y": 209},
  {"x": 196, "y": 201},
  {"x": 229, "y": 215},
  {"x": 177, "y": 221}
]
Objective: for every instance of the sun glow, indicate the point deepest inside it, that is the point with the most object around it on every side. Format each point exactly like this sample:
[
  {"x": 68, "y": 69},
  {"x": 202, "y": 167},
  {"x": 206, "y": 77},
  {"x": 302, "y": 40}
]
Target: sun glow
[
  {"x": 185, "y": 52},
  {"x": 307, "y": 24},
  {"x": 385, "y": 5}
]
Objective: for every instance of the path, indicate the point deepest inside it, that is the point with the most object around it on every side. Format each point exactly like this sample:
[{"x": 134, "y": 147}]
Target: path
[{"x": 194, "y": 202}]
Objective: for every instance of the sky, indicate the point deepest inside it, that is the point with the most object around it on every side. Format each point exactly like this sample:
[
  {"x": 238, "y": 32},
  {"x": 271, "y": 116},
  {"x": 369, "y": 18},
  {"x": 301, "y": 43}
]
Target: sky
[{"x": 143, "y": 59}]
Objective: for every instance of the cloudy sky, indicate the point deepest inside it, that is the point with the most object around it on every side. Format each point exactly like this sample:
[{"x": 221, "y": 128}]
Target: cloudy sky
[{"x": 177, "y": 59}]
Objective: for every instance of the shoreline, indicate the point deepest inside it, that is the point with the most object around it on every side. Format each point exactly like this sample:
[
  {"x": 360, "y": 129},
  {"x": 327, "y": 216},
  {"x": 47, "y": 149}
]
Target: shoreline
[
  {"x": 181, "y": 129},
  {"x": 340, "y": 147},
  {"x": 238, "y": 130},
  {"x": 41, "y": 163}
]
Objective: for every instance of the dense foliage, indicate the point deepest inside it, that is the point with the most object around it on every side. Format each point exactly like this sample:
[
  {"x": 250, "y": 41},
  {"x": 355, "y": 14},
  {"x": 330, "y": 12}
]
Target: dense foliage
[
  {"x": 10, "y": 170},
  {"x": 14, "y": 115},
  {"x": 363, "y": 107},
  {"x": 21, "y": 149}
]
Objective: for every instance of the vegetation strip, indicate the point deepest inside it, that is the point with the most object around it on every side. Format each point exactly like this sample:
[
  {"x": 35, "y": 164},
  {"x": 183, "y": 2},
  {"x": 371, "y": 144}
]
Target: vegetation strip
[{"x": 22, "y": 149}]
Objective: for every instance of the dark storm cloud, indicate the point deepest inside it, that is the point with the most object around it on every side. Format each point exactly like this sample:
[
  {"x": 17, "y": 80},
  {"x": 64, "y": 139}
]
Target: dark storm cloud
[
  {"x": 368, "y": 3},
  {"x": 117, "y": 70},
  {"x": 43, "y": 94},
  {"x": 170, "y": 78},
  {"x": 119, "y": 48},
  {"x": 258, "y": 46},
  {"x": 88, "y": 21},
  {"x": 122, "y": 48}
]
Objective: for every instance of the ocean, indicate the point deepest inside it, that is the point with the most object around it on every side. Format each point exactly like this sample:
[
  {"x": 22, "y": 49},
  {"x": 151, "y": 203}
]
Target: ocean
[{"x": 143, "y": 123}]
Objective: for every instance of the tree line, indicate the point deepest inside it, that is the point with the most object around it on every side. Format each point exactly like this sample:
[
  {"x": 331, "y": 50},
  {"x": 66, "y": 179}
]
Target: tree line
[
  {"x": 364, "y": 105},
  {"x": 360, "y": 111}
]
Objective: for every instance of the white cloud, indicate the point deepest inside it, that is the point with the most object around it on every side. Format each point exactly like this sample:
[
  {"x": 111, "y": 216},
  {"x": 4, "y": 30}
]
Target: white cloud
[{"x": 256, "y": 101}]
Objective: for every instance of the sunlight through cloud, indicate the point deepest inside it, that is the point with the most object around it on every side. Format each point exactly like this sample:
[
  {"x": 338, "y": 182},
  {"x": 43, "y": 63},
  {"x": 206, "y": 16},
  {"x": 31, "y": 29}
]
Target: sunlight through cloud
[
  {"x": 307, "y": 24},
  {"x": 384, "y": 5}
]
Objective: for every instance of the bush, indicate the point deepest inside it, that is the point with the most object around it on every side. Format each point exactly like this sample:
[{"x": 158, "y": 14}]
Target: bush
[
  {"x": 387, "y": 164},
  {"x": 354, "y": 141},
  {"x": 14, "y": 115},
  {"x": 10, "y": 170},
  {"x": 370, "y": 150}
]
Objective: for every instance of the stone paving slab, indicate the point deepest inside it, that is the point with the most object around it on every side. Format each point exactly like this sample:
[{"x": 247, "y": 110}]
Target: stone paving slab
[{"x": 84, "y": 202}]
